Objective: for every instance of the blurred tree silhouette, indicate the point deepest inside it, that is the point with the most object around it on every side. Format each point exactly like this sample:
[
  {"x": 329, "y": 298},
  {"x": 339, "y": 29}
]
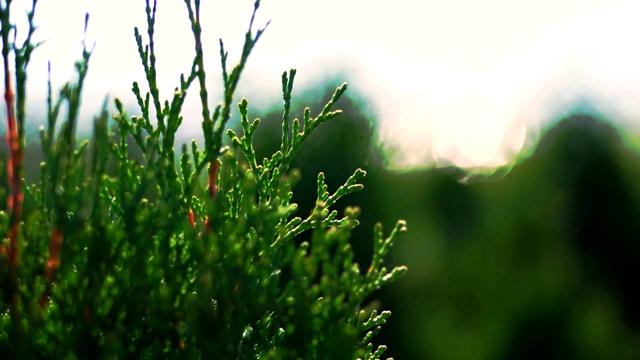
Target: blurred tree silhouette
[
  {"x": 604, "y": 205},
  {"x": 545, "y": 267},
  {"x": 537, "y": 264}
]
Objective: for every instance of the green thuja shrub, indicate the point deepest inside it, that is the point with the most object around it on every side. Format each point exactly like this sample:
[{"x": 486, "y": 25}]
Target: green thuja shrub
[{"x": 164, "y": 255}]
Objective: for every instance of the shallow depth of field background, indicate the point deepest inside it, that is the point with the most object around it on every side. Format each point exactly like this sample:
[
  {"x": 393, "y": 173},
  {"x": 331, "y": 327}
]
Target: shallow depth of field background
[{"x": 504, "y": 132}]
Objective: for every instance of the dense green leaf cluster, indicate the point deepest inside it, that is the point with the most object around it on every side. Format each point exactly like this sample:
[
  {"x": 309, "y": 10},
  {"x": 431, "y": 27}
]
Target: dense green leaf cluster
[{"x": 126, "y": 249}]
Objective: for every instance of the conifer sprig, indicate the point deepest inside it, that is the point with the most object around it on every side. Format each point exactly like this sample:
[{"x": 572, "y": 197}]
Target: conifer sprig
[{"x": 128, "y": 250}]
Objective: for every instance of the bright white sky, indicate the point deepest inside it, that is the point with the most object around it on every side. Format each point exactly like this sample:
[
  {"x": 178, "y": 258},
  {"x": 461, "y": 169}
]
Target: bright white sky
[{"x": 467, "y": 82}]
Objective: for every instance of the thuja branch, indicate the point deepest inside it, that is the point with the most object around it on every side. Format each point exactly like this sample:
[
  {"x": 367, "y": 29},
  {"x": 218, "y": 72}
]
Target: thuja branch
[
  {"x": 15, "y": 136},
  {"x": 148, "y": 57},
  {"x": 141, "y": 257},
  {"x": 22, "y": 56},
  {"x": 291, "y": 142},
  {"x": 214, "y": 126},
  {"x": 15, "y": 106}
]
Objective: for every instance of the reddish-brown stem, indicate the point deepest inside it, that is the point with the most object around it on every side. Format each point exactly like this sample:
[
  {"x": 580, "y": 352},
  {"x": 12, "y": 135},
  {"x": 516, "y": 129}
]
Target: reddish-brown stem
[
  {"x": 52, "y": 264},
  {"x": 192, "y": 220},
  {"x": 14, "y": 169},
  {"x": 54, "y": 253},
  {"x": 213, "y": 188},
  {"x": 207, "y": 225},
  {"x": 14, "y": 202},
  {"x": 213, "y": 179}
]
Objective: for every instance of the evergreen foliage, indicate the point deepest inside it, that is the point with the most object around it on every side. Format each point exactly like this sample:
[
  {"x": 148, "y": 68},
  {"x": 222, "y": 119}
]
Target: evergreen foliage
[{"x": 196, "y": 255}]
